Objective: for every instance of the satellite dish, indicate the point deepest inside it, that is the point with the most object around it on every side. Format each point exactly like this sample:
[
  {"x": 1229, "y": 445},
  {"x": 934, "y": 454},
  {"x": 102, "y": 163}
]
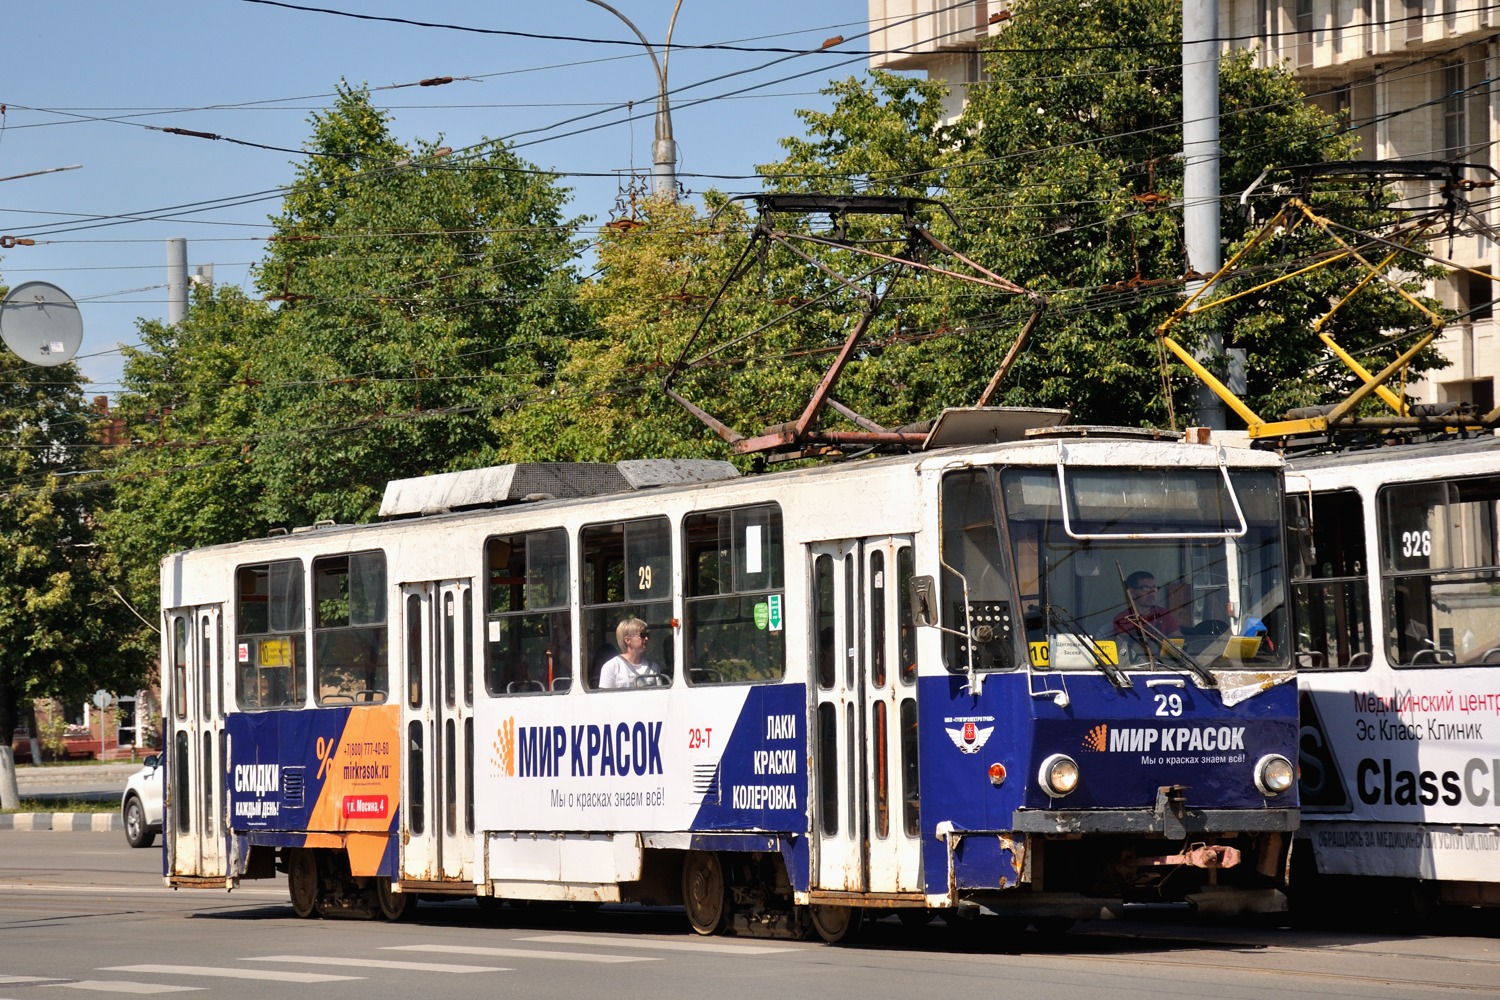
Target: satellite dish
[{"x": 41, "y": 324}]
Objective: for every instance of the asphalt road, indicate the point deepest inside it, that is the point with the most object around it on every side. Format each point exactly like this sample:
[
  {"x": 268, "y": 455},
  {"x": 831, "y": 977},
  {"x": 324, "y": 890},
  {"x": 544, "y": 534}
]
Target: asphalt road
[{"x": 84, "y": 912}]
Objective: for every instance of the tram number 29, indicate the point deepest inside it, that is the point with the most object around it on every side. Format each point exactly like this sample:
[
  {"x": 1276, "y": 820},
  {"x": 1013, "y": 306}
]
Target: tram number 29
[
  {"x": 1169, "y": 704},
  {"x": 1416, "y": 543}
]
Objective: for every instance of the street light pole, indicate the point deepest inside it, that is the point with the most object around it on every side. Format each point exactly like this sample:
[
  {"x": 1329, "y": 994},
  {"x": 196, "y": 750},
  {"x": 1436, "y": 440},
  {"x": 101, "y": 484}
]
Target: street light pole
[{"x": 664, "y": 148}]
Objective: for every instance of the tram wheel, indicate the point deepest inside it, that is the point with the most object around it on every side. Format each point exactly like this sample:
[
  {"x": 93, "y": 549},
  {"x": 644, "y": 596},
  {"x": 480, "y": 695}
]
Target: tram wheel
[
  {"x": 302, "y": 880},
  {"x": 836, "y": 924},
  {"x": 703, "y": 892},
  {"x": 393, "y": 906}
]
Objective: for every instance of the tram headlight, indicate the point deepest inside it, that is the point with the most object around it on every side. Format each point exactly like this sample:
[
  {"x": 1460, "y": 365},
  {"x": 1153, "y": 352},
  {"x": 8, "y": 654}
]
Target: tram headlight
[
  {"x": 1058, "y": 775},
  {"x": 1274, "y": 774}
]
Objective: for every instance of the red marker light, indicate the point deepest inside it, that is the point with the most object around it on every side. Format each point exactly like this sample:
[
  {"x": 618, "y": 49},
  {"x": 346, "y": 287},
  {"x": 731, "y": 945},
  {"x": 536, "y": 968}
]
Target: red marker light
[{"x": 997, "y": 774}]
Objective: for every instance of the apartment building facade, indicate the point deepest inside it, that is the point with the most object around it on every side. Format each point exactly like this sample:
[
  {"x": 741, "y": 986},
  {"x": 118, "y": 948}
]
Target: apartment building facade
[{"x": 1410, "y": 77}]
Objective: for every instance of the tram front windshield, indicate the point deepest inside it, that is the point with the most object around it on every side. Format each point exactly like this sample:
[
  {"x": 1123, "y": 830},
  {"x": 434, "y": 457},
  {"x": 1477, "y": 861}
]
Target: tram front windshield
[{"x": 1131, "y": 567}]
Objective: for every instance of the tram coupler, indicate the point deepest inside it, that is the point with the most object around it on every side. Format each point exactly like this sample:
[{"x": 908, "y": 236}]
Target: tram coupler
[{"x": 1202, "y": 856}]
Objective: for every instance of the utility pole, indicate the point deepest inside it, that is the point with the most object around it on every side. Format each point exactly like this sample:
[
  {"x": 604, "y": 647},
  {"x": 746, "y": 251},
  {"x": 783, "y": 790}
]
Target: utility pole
[
  {"x": 177, "y": 281},
  {"x": 664, "y": 148},
  {"x": 1200, "y": 184}
]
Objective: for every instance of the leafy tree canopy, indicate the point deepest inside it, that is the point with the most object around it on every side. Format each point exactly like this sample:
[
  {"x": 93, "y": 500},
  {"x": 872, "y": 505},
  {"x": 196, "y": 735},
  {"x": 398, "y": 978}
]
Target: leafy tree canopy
[
  {"x": 61, "y": 624},
  {"x": 411, "y": 297}
]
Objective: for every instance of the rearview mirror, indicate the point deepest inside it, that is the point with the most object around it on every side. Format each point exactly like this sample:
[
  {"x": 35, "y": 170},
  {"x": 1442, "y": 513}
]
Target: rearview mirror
[{"x": 922, "y": 592}]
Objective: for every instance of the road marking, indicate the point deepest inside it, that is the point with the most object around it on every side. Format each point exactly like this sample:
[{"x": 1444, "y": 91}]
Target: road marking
[
  {"x": 698, "y": 946},
  {"x": 225, "y": 973},
  {"x": 28, "y": 979},
  {"x": 134, "y": 890},
  {"x": 375, "y": 963},
  {"x": 567, "y": 956},
  {"x": 104, "y": 986}
]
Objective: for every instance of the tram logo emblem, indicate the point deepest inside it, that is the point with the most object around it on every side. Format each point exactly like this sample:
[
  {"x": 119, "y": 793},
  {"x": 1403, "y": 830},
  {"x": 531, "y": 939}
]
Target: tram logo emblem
[
  {"x": 503, "y": 750},
  {"x": 1097, "y": 739},
  {"x": 970, "y": 738}
]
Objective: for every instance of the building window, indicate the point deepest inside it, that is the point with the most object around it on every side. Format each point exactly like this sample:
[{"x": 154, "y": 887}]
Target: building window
[
  {"x": 1304, "y": 27},
  {"x": 1413, "y": 20},
  {"x": 1455, "y": 112},
  {"x": 1265, "y": 19},
  {"x": 1479, "y": 295}
]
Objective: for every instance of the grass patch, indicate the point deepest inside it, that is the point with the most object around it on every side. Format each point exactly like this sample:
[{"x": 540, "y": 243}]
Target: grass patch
[{"x": 60, "y": 805}]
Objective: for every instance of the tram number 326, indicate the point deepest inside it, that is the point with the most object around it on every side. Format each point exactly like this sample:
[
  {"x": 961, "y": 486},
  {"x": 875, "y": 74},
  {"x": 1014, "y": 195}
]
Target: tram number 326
[{"x": 1416, "y": 543}]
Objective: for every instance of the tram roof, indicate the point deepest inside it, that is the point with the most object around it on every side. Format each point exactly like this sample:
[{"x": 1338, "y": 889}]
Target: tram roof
[
  {"x": 1357, "y": 458},
  {"x": 540, "y": 487}
]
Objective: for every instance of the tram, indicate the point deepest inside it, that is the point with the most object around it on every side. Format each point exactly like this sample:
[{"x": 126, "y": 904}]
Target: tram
[
  {"x": 914, "y": 683},
  {"x": 1396, "y": 609}
]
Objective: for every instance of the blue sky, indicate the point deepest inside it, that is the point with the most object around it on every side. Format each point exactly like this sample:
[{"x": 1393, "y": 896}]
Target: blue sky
[{"x": 83, "y": 79}]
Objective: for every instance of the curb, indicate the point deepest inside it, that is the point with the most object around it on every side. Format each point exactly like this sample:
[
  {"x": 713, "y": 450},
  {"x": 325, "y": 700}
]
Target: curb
[{"x": 63, "y": 822}]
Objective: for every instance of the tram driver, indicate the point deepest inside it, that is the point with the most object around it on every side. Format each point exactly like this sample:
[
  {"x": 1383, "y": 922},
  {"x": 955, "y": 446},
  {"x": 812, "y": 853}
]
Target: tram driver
[
  {"x": 1142, "y": 609},
  {"x": 630, "y": 668}
]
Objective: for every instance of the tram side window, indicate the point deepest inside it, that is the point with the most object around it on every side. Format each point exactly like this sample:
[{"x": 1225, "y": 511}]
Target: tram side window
[
  {"x": 350, "y": 656},
  {"x": 1440, "y": 571},
  {"x": 907, "y": 641},
  {"x": 270, "y": 645},
  {"x": 627, "y": 573},
  {"x": 528, "y": 638},
  {"x": 1330, "y": 583},
  {"x": 179, "y": 665},
  {"x": 972, "y": 556},
  {"x": 732, "y": 610}
]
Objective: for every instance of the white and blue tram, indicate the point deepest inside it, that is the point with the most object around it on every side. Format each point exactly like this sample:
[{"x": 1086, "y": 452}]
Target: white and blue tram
[
  {"x": 1396, "y": 587},
  {"x": 897, "y": 683}
]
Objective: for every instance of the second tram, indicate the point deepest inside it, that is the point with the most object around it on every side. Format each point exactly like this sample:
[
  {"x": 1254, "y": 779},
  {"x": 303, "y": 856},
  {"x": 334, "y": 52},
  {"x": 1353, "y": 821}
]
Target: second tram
[{"x": 1396, "y": 601}]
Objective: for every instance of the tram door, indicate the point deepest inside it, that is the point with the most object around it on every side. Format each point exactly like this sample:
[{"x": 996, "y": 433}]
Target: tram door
[
  {"x": 864, "y": 717},
  {"x": 437, "y": 718},
  {"x": 194, "y": 816}
]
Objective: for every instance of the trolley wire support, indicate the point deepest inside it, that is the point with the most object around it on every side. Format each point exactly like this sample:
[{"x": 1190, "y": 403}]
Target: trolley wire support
[
  {"x": 1451, "y": 216},
  {"x": 805, "y": 436}
]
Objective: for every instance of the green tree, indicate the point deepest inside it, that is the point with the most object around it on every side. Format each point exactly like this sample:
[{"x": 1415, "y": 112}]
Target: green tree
[
  {"x": 938, "y": 340},
  {"x": 755, "y": 358},
  {"x": 62, "y": 627},
  {"x": 1070, "y": 181},
  {"x": 189, "y": 406},
  {"x": 412, "y": 297},
  {"x": 421, "y": 294}
]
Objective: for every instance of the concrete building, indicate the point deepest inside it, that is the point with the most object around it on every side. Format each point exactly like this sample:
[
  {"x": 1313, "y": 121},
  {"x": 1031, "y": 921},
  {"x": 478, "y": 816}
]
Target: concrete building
[{"x": 1411, "y": 77}]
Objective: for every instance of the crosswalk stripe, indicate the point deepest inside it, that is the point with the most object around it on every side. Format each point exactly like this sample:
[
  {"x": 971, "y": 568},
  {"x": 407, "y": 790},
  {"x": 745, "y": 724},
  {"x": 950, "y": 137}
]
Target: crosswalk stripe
[
  {"x": 226, "y": 973},
  {"x": 567, "y": 956},
  {"x": 376, "y": 963},
  {"x": 107, "y": 986},
  {"x": 646, "y": 943},
  {"x": 6, "y": 980}
]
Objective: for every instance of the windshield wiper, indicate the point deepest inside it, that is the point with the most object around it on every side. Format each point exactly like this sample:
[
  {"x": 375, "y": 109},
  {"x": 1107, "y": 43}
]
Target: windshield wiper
[
  {"x": 1151, "y": 635},
  {"x": 1051, "y": 612}
]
